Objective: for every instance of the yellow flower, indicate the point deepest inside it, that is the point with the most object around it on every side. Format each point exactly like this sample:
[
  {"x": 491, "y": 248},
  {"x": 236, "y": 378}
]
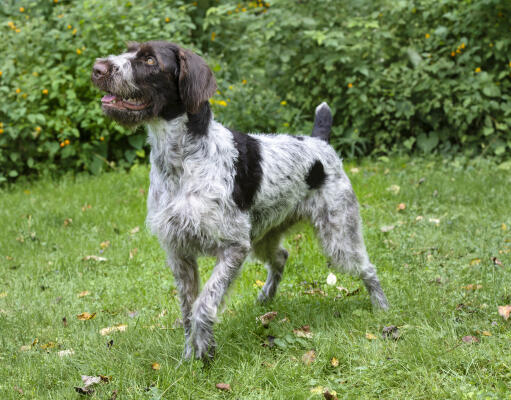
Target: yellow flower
[
  {"x": 18, "y": 90},
  {"x": 24, "y": 95},
  {"x": 222, "y": 103},
  {"x": 2, "y": 72},
  {"x": 67, "y": 141},
  {"x": 167, "y": 19},
  {"x": 1, "y": 131},
  {"x": 74, "y": 31},
  {"x": 62, "y": 144},
  {"x": 18, "y": 30},
  {"x": 427, "y": 35},
  {"x": 243, "y": 9},
  {"x": 55, "y": 1},
  {"x": 491, "y": 45},
  {"x": 230, "y": 86},
  {"x": 244, "y": 81},
  {"x": 78, "y": 51},
  {"x": 60, "y": 16},
  {"x": 462, "y": 46},
  {"x": 38, "y": 129},
  {"x": 350, "y": 85},
  {"x": 453, "y": 54},
  {"x": 10, "y": 24},
  {"x": 22, "y": 9},
  {"x": 478, "y": 69},
  {"x": 283, "y": 102},
  {"x": 458, "y": 51},
  {"x": 286, "y": 124},
  {"x": 213, "y": 36},
  {"x": 101, "y": 138},
  {"x": 45, "y": 91},
  {"x": 509, "y": 67},
  {"x": 229, "y": 12},
  {"x": 69, "y": 27}
]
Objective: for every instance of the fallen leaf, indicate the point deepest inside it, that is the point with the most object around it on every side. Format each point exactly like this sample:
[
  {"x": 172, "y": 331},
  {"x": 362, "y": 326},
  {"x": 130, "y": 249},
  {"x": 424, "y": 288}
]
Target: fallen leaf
[
  {"x": 3, "y": 294},
  {"x": 155, "y": 366},
  {"x": 354, "y": 170},
  {"x": 68, "y": 221},
  {"x": 48, "y": 345},
  {"x": 496, "y": 261},
  {"x": 486, "y": 333},
  {"x": 304, "y": 332},
  {"x": 503, "y": 227},
  {"x": 114, "y": 395},
  {"x": 258, "y": 284},
  {"x": 394, "y": 189},
  {"x": 317, "y": 390},
  {"x": 136, "y": 229},
  {"x": 105, "y": 378},
  {"x": 94, "y": 258},
  {"x": 475, "y": 261},
  {"x": 86, "y": 391},
  {"x": 331, "y": 279},
  {"x": 472, "y": 286},
  {"x": 133, "y": 253},
  {"x": 419, "y": 218},
  {"x": 370, "y": 336},
  {"x": 65, "y": 353},
  {"x": 353, "y": 292},
  {"x": 315, "y": 291},
  {"x": 223, "y": 386},
  {"x": 330, "y": 395},
  {"x": 342, "y": 289},
  {"x": 64, "y": 321},
  {"x": 434, "y": 221},
  {"x": 86, "y": 207},
  {"x": 387, "y": 228},
  {"x": 104, "y": 244},
  {"x": 85, "y": 316},
  {"x": 390, "y": 332},
  {"x": 504, "y": 311},
  {"x": 401, "y": 206},
  {"x": 470, "y": 339},
  {"x": 309, "y": 357},
  {"x": 83, "y": 294},
  {"x": 90, "y": 380},
  {"x": 334, "y": 362},
  {"x": 266, "y": 318},
  {"x": 162, "y": 314},
  {"x": 116, "y": 328}
]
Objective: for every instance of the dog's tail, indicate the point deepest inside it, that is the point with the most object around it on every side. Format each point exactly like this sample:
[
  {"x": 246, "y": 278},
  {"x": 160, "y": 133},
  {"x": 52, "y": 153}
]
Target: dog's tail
[{"x": 322, "y": 122}]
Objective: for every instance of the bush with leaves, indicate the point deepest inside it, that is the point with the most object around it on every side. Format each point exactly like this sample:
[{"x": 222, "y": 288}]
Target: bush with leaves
[{"x": 411, "y": 75}]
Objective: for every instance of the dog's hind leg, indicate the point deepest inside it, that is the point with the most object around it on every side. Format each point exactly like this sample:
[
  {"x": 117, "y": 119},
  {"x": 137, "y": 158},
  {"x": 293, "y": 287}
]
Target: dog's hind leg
[
  {"x": 269, "y": 250},
  {"x": 335, "y": 215}
]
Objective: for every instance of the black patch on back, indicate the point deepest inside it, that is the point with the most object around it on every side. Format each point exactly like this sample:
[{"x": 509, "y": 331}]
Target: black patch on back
[
  {"x": 198, "y": 123},
  {"x": 316, "y": 175},
  {"x": 248, "y": 171}
]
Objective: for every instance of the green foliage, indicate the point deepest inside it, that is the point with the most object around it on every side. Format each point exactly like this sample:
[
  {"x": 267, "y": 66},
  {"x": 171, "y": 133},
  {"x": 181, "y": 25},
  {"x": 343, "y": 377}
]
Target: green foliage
[{"x": 401, "y": 76}]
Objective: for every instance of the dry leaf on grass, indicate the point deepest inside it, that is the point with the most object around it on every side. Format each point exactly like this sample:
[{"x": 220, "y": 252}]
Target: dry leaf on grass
[
  {"x": 330, "y": 395},
  {"x": 472, "y": 286},
  {"x": 133, "y": 253},
  {"x": 3, "y": 294},
  {"x": 504, "y": 311},
  {"x": 401, "y": 207},
  {"x": 486, "y": 333},
  {"x": 89, "y": 381},
  {"x": 116, "y": 328},
  {"x": 309, "y": 357},
  {"x": 65, "y": 353},
  {"x": 354, "y": 170},
  {"x": 83, "y": 294},
  {"x": 315, "y": 291},
  {"x": 136, "y": 229},
  {"x": 94, "y": 258},
  {"x": 85, "y": 316},
  {"x": 304, "y": 332},
  {"x": 156, "y": 366},
  {"x": 394, "y": 189},
  {"x": 266, "y": 318},
  {"x": 68, "y": 221},
  {"x": 387, "y": 228},
  {"x": 334, "y": 362},
  {"x": 391, "y": 332},
  {"x": 470, "y": 339},
  {"x": 496, "y": 261},
  {"x": 370, "y": 336},
  {"x": 223, "y": 386}
]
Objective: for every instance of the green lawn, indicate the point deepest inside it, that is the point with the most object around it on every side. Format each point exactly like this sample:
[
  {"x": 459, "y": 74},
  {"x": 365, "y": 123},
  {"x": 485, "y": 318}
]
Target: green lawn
[{"x": 457, "y": 217}]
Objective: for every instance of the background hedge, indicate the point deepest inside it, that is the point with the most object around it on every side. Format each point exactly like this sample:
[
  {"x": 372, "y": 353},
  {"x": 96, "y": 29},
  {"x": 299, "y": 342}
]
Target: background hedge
[{"x": 401, "y": 76}]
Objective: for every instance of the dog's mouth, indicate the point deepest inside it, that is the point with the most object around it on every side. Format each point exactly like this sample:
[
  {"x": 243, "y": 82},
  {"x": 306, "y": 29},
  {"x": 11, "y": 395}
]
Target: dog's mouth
[{"x": 111, "y": 101}]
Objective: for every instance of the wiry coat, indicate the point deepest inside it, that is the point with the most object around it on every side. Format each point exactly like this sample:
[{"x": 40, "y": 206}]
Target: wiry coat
[{"x": 214, "y": 191}]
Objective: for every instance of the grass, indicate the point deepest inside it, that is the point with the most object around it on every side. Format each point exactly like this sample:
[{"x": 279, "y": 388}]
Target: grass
[{"x": 423, "y": 265}]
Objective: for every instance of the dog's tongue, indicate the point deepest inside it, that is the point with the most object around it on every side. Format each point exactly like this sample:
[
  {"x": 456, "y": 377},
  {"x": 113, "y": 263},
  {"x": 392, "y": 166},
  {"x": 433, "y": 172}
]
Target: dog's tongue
[{"x": 108, "y": 98}]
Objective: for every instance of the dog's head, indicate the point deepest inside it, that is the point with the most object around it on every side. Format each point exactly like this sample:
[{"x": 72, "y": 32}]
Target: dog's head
[{"x": 152, "y": 79}]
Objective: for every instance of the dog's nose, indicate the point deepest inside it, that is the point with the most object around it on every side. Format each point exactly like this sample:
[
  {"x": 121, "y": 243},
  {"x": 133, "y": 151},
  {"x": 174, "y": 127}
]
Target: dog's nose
[{"x": 99, "y": 69}]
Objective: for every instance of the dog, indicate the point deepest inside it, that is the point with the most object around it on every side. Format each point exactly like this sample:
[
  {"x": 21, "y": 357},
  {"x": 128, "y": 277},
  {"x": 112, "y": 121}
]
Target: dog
[{"x": 214, "y": 191}]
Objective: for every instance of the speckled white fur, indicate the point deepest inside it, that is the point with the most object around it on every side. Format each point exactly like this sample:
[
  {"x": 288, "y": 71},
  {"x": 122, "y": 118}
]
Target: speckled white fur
[{"x": 192, "y": 211}]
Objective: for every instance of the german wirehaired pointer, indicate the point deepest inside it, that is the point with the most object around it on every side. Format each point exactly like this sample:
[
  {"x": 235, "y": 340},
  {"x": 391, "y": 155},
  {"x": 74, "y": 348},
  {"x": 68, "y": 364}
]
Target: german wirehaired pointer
[{"x": 218, "y": 192}]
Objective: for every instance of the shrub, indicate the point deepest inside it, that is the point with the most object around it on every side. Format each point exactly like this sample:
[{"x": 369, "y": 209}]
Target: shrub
[{"x": 405, "y": 76}]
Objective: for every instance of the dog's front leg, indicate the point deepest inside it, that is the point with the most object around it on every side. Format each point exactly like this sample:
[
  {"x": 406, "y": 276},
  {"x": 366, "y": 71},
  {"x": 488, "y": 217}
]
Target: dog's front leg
[
  {"x": 206, "y": 306},
  {"x": 186, "y": 276}
]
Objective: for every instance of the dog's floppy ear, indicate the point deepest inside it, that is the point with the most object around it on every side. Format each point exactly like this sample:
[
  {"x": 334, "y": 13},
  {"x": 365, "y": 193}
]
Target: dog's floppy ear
[{"x": 196, "y": 81}]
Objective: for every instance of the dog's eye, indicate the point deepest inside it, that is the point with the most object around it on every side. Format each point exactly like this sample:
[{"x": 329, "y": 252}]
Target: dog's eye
[{"x": 150, "y": 61}]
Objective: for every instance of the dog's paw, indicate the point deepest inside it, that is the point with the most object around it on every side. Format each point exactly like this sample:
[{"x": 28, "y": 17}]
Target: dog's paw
[
  {"x": 263, "y": 297},
  {"x": 204, "y": 345}
]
